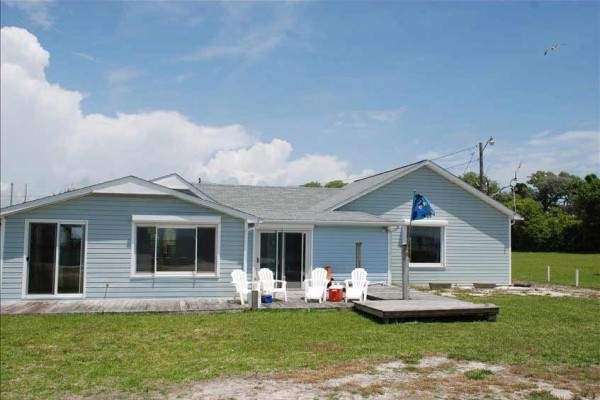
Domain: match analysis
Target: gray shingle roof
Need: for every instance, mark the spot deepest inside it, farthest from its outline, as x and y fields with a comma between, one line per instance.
x=358, y=187
x=303, y=204
x=282, y=203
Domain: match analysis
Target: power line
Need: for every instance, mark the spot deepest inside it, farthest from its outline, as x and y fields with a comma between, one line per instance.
x=461, y=164
x=467, y=167
x=451, y=154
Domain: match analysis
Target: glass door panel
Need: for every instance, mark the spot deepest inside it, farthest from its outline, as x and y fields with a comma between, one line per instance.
x=280, y=256
x=294, y=258
x=41, y=258
x=268, y=251
x=70, y=259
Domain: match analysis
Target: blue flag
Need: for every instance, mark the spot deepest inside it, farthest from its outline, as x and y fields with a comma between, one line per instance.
x=421, y=208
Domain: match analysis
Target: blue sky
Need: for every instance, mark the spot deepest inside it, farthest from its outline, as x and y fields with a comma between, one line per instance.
x=283, y=93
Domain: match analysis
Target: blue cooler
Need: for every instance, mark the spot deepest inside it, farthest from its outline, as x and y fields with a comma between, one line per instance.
x=266, y=298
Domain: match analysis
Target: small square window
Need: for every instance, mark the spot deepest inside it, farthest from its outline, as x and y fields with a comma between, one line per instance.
x=426, y=245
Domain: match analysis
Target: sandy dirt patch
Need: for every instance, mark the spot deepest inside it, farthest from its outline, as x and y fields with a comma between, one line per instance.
x=434, y=377
x=537, y=290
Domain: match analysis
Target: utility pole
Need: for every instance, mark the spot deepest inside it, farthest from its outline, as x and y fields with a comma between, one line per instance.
x=11, y=193
x=482, y=147
x=480, y=166
x=25, y=196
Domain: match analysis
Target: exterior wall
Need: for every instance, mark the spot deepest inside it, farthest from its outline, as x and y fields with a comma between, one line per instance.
x=108, y=258
x=477, y=236
x=336, y=245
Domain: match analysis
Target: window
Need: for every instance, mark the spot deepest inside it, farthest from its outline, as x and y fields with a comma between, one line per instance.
x=427, y=243
x=175, y=249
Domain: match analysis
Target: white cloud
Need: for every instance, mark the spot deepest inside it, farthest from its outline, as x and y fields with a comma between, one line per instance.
x=24, y=51
x=38, y=11
x=179, y=13
x=184, y=77
x=385, y=115
x=270, y=163
x=565, y=137
x=49, y=143
x=577, y=152
x=428, y=155
x=121, y=75
x=85, y=56
x=251, y=42
x=359, y=119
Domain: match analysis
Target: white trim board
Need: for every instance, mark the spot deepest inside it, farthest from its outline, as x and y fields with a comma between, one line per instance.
x=425, y=222
x=175, y=219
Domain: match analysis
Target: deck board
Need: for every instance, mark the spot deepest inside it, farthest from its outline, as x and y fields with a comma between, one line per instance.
x=383, y=303
x=386, y=304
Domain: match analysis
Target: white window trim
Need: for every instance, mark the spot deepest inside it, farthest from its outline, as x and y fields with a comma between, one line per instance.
x=174, y=221
x=426, y=222
x=432, y=223
x=25, y=277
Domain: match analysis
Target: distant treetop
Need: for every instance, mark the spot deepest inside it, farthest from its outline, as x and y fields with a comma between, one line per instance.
x=312, y=184
x=332, y=184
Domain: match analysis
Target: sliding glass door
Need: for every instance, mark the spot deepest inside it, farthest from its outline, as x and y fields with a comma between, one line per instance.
x=284, y=253
x=55, y=258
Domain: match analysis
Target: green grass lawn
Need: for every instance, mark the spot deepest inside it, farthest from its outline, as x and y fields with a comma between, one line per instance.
x=51, y=356
x=531, y=267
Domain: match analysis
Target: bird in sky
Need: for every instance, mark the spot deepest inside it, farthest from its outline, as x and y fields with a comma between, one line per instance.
x=553, y=48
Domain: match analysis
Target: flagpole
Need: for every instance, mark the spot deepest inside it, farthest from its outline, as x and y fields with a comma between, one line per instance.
x=421, y=208
x=406, y=255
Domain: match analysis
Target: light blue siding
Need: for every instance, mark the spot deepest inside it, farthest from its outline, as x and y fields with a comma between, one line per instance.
x=337, y=246
x=108, y=258
x=477, y=235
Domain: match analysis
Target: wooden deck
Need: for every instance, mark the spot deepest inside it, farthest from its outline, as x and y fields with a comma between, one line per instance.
x=383, y=303
x=386, y=305
x=197, y=305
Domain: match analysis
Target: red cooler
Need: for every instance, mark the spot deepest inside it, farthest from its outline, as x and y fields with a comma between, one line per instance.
x=335, y=293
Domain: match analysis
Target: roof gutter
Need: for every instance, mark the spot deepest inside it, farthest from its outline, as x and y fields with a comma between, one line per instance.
x=330, y=223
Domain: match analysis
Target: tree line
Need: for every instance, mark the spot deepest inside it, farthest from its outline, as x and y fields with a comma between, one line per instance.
x=561, y=211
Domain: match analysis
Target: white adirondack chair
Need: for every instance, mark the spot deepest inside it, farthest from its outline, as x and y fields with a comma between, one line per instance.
x=242, y=286
x=271, y=286
x=356, y=287
x=315, y=288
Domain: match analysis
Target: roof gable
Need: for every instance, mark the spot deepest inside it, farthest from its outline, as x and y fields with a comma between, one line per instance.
x=176, y=182
x=364, y=186
x=129, y=185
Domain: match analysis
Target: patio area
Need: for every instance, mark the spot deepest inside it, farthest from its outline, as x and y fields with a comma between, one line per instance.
x=295, y=302
x=384, y=303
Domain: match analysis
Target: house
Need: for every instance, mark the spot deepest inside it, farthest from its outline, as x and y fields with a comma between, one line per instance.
x=132, y=238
